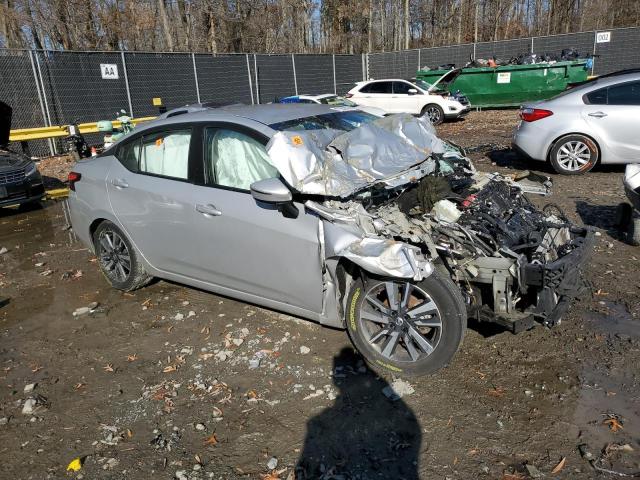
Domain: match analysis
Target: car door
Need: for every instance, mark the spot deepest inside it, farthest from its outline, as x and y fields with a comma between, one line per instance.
x=149, y=190
x=614, y=113
x=403, y=100
x=245, y=245
x=377, y=94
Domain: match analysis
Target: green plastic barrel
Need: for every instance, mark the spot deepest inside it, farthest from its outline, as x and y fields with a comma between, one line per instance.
x=511, y=85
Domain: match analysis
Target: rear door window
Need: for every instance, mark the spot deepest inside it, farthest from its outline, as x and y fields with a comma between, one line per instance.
x=597, y=97
x=166, y=154
x=377, y=87
x=624, y=94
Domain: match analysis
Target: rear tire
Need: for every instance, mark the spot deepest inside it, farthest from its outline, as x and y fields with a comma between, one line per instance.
x=398, y=341
x=434, y=113
x=118, y=259
x=574, y=155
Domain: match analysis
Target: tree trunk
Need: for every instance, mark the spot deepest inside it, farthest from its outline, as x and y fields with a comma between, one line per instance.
x=162, y=12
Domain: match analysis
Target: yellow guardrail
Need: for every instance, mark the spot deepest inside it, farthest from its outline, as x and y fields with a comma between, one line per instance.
x=39, y=133
x=57, y=193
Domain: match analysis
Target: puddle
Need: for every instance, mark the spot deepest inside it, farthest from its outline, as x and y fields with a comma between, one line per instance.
x=611, y=389
x=615, y=319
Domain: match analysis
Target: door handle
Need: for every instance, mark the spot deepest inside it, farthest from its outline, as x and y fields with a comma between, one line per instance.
x=597, y=114
x=119, y=183
x=208, y=210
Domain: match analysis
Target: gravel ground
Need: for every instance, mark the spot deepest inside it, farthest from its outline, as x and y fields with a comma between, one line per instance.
x=173, y=382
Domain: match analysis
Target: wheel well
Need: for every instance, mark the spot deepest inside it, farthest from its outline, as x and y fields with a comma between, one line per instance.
x=574, y=133
x=347, y=272
x=94, y=225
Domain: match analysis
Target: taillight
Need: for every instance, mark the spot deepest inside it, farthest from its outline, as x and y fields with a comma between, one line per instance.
x=348, y=95
x=533, y=114
x=73, y=177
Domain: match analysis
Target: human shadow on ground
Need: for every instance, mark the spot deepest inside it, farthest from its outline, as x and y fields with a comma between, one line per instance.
x=364, y=435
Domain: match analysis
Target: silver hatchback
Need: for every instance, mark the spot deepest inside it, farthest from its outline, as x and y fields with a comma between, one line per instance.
x=598, y=121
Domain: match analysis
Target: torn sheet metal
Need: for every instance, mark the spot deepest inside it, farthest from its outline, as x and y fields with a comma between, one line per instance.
x=338, y=164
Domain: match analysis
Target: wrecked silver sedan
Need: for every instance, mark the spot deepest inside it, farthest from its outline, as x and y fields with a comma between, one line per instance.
x=370, y=224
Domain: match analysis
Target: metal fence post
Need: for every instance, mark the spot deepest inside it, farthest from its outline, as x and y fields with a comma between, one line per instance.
x=419, y=59
x=295, y=77
x=255, y=68
x=531, y=45
x=126, y=82
x=35, y=79
x=474, y=51
x=335, y=87
x=593, y=57
x=249, y=77
x=195, y=74
x=52, y=145
x=365, y=66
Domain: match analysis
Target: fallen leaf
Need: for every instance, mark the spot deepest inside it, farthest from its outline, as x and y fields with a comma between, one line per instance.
x=614, y=424
x=170, y=368
x=273, y=474
x=74, y=465
x=132, y=358
x=480, y=374
x=129, y=433
x=512, y=476
x=211, y=440
x=108, y=368
x=79, y=385
x=496, y=392
x=559, y=466
x=252, y=394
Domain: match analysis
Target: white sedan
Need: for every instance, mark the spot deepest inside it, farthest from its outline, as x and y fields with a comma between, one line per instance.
x=419, y=98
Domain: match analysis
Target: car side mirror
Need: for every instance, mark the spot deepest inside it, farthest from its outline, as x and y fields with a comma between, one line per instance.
x=412, y=91
x=271, y=190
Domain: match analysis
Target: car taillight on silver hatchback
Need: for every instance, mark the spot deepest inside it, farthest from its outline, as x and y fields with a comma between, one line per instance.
x=533, y=114
x=73, y=177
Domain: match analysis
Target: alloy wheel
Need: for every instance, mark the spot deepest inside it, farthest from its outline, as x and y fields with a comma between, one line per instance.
x=433, y=113
x=114, y=255
x=574, y=155
x=400, y=321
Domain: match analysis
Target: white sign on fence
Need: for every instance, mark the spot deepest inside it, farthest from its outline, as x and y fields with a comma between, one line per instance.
x=109, y=71
x=603, y=37
x=504, y=77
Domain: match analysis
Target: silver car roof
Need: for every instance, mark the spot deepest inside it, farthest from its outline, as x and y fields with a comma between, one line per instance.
x=248, y=115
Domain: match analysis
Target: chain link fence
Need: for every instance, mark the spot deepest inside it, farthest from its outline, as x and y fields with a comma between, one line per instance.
x=618, y=50
x=58, y=88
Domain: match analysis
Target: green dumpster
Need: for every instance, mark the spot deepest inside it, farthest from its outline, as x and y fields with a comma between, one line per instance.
x=511, y=85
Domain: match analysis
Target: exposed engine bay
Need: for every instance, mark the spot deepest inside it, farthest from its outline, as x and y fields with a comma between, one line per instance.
x=514, y=263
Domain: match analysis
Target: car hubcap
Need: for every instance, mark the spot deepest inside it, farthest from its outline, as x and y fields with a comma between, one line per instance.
x=574, y=155
x=114, y=256
x=434, y=114
x=400, y=321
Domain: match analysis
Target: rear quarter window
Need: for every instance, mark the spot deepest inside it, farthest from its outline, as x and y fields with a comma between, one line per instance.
x=128, y=154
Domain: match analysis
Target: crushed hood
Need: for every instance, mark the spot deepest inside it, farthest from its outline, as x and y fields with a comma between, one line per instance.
x=338, y=164
x=5, y=123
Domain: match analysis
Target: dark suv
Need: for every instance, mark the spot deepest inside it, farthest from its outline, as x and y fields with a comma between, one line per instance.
x=20, y=181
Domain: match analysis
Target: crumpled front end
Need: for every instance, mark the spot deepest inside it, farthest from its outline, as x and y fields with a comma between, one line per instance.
x=398, y=202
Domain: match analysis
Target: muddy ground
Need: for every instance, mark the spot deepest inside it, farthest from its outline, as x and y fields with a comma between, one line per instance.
x=159, y=383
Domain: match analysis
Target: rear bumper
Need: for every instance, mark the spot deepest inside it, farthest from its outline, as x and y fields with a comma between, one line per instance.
x=527, y=140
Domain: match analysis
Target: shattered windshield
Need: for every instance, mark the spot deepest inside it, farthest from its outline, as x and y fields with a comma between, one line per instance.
x=344, y=121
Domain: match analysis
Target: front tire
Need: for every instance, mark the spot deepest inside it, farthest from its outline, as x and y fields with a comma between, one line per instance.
x=118, y=259
x=434, y=113
x=574, y=155
x=406, y=328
